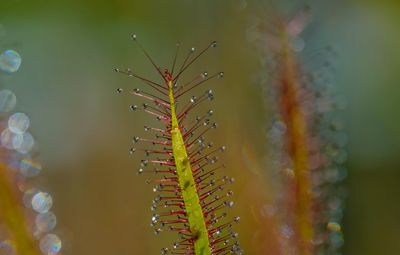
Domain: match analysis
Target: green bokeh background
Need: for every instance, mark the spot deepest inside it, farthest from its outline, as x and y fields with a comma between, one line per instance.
x=67, y=86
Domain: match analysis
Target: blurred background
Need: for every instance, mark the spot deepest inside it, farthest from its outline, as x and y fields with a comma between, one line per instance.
x=66, y=84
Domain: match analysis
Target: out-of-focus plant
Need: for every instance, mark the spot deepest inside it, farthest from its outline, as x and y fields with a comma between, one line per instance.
x=25, y=217
x=305, y=136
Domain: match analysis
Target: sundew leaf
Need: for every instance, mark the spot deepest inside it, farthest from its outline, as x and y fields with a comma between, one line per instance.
x=192, y=198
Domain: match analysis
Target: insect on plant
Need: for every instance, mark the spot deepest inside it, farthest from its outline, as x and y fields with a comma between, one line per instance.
x=192, y=198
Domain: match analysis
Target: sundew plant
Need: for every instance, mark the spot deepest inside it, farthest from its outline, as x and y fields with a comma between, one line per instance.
x=192, y=197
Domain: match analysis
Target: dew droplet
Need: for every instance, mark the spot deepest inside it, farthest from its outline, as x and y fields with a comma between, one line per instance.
x=46, y=222
x=26, y=144
x=144, y=163
x=210, y=95
x=29, y=167
x=42, y=202
x=50, y=244
x=334, y=226
x=18, y=122
x=10, y=140
x=286, y=231
x=135, y=139
x=155, y=218
x=28, y=195
x=10, y=61
x=8, y=100
x=229, y=204
x=119, y=90
x=297, y=44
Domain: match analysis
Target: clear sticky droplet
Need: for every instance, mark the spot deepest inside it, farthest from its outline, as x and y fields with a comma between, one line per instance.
x=10, y=61
x=18, y=122
x=8, y=100
x=42, y=202
x=50, y=244
x=46, y=222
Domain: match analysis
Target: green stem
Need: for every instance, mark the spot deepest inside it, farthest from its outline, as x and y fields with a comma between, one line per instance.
x=187, y=184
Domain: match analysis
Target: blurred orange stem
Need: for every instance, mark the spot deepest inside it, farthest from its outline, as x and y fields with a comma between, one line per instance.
x=12, y=215
x=295, y=121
